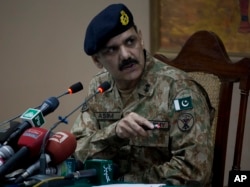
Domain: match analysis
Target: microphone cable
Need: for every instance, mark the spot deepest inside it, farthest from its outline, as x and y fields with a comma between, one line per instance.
x=48, y=180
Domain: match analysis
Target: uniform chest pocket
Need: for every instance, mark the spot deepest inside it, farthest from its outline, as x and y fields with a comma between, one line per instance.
x=157, y=137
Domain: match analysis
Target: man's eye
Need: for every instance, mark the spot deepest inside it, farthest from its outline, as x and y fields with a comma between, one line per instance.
x=109, y=50
x=131, y=41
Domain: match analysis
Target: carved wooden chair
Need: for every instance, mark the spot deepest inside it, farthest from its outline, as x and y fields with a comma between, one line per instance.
x=204, y=57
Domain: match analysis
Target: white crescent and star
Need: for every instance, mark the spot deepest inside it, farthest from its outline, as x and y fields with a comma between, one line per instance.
x=184, y=103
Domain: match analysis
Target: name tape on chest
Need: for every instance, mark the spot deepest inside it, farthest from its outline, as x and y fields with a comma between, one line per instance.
x=108, y=115
x=102, y=116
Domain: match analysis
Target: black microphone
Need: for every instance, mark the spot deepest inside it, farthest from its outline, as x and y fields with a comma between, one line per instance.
x=102, y=88
x=72, y=89
x=98, y=171
x=47, y=107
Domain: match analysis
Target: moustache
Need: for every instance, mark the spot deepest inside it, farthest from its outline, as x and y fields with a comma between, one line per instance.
x=127, y=62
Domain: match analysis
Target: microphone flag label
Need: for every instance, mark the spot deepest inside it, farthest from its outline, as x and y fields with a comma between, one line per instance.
x=34, y=117
x=183, y=103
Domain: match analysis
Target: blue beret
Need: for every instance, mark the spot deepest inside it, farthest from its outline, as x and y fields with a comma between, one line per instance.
x=110, y=22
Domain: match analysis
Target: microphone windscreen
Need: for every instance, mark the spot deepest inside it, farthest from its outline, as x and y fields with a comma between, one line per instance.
x=60, y=146
x=104, y=86
x=32, y=138
x=75, y=87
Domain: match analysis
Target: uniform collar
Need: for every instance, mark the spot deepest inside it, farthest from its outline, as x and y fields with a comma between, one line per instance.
x=146, y=85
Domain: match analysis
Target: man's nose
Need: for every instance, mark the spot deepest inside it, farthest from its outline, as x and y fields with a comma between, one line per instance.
x=124, y=52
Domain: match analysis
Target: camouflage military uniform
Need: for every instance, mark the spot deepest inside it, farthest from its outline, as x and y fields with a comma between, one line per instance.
x=179, y=151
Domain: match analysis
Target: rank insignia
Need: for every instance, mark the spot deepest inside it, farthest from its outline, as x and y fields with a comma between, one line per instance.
x=185, y=122
x=183, y=103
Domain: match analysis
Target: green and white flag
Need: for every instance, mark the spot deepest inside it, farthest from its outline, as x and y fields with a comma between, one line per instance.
x=183, y=103
x=34, y=117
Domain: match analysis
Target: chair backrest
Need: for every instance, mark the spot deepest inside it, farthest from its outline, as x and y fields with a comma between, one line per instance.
x=204, y=57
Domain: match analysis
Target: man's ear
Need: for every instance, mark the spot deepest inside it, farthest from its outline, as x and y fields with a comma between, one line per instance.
x=97, y=62
x=140, y=35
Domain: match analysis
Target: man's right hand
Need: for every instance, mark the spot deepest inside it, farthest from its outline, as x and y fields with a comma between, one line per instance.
x=131, y=126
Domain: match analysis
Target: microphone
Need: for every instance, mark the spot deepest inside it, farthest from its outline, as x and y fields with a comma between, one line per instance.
x=66, y=167
x=5, y=152
x=30, y=143
x=102, y=88
x=82, y=174
x=72, y=89
x=32, y=118
x=98, y=171
x=31, y=169
x=59, y=147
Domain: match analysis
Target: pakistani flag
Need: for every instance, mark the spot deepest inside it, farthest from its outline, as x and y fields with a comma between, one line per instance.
x=34, y=117
x=183, y=103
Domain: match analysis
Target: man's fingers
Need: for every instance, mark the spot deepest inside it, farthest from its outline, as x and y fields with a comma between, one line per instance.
x=133, y=125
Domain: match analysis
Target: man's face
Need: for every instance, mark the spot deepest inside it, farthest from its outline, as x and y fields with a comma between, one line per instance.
x=123, y=56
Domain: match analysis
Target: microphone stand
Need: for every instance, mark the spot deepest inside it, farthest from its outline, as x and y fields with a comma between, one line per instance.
x=43, y=164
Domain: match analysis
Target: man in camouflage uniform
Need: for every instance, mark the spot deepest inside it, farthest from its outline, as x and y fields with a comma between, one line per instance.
x=153, y=121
